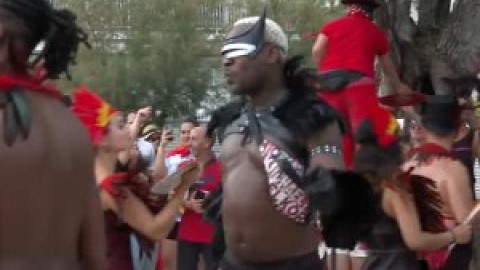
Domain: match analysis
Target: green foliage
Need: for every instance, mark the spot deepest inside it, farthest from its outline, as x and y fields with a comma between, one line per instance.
x=156, y=52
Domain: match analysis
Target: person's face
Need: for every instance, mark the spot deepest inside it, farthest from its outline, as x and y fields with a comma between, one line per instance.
x=417, y=133
x=198, y=142
x=117, y=138
x=185, y=129
x=245, y=74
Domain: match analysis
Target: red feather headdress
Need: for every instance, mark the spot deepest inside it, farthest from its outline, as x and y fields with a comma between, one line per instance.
x=385, y=126
x=94, y=113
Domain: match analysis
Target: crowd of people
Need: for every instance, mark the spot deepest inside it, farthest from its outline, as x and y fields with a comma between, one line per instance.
x=313, y=171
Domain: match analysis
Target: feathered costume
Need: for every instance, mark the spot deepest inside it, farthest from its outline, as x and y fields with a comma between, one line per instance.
x=96, y=114
x=441, y=114
x=339, y=200
x=346, y=71
x=380, y=156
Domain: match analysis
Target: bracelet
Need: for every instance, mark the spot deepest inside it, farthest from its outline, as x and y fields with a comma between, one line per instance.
x=452, y=234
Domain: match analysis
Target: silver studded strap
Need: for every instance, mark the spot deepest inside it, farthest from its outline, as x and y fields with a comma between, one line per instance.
x=326, y=149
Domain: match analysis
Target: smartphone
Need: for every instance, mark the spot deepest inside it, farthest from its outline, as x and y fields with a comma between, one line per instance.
x=169, y=130
x=170, y=135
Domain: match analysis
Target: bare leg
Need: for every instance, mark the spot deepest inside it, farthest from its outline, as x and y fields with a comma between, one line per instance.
x=339, y=261
x=201, y=264
x=169, y=253
x=357, y=262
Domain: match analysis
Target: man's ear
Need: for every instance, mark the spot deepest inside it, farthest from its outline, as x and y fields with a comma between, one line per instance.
x=273, y=54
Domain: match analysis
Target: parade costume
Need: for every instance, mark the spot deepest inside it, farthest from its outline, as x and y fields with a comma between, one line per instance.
x=306, y=196
x=346, y=72
x=442, y=114
x=380, y=154
x=96, y=114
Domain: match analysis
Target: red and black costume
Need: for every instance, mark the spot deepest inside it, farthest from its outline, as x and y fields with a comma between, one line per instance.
x=442, y=115
x=306, y=196
x=95, y=114
x=347, y=69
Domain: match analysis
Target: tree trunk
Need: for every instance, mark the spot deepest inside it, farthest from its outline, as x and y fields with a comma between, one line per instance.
x=414, y=44
x=458, y=52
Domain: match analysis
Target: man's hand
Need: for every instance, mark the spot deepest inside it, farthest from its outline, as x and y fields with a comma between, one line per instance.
x=167, y=137
x=144, y=114
x=403, y=89
x=194, y=204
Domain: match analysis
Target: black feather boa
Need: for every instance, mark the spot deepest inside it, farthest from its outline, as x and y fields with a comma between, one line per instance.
x=303, y=113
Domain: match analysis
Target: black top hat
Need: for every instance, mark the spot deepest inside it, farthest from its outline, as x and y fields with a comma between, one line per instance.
x=441, y=114
x=371, y=3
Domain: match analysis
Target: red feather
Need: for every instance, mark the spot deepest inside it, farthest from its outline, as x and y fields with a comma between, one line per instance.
x=8, y=81
x=428, y=203
x=384, y=125
x=183, y=151
x=94, y=113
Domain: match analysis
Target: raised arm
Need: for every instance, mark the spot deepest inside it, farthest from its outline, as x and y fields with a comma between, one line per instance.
x=391, y=72
x=320, y=48
x=160, y=170
x=135, y=213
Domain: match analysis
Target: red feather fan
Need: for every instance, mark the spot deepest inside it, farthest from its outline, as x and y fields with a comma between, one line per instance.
x=94, y=113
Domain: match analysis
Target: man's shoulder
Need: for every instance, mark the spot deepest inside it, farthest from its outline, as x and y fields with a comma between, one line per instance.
x=334, y=24
x=309, y=114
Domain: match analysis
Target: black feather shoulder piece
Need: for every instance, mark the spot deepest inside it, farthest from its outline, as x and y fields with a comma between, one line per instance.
x=304, y=113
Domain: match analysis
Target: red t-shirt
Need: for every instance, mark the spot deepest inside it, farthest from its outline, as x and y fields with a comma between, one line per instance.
x=192, y=227
x=353, y=43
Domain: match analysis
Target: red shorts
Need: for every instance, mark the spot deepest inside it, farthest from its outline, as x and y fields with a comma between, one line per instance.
x=353, y=102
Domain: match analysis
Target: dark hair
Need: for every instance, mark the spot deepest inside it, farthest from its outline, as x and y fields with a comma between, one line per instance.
x=374, y=161
x=367, y=7
x=439, y=131
x=212, y=136
x=192, y=120
x=56, y=27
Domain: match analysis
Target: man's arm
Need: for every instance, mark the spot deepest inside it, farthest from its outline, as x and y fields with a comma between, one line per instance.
x=320, y=48
x=160, y=167
x=391, y=72
x=140, y=117
x=325, y=148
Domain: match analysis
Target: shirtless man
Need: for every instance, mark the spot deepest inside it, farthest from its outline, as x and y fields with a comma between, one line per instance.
x=50, y=214
x=277, y=129
x=434, y=159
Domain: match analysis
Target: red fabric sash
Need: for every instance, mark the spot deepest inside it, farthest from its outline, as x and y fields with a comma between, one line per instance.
x=9, y=81
x=183, y=151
